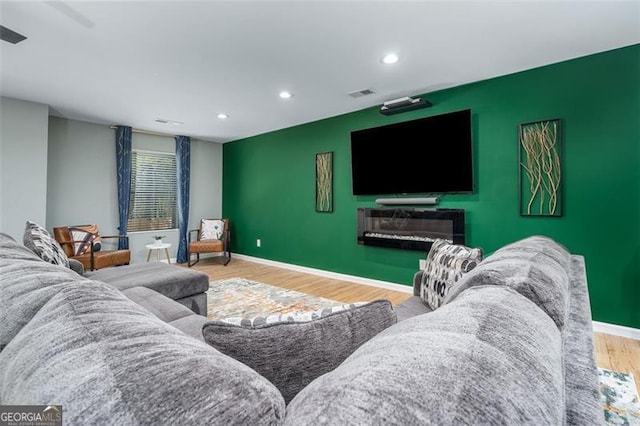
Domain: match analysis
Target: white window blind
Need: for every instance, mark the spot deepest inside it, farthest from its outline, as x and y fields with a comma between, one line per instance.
x=153, y=191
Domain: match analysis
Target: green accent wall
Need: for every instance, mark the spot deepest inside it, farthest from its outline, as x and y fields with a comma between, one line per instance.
x=269, y=179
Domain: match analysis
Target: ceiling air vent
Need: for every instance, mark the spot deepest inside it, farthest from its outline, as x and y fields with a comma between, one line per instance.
x=361, y=93
x=10, y=36
x=165, y=121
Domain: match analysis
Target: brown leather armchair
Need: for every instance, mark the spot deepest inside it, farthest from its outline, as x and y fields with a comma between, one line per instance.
x=91, y=260
x=209, y=238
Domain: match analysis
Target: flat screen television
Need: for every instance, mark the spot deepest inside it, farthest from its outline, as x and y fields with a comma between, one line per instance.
x=431, y=155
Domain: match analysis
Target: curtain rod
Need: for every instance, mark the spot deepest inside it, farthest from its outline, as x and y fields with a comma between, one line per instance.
x=148, y=132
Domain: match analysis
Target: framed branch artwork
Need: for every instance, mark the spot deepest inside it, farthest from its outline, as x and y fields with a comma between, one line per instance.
x=324, y=182
x=540, y=192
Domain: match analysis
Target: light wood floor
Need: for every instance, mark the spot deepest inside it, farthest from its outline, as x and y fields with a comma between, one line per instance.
x=612, y=352
x=619, y=354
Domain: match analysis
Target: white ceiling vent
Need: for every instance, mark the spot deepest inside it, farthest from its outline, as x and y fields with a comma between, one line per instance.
x=361, y=93
x=165, y=121
x=10, y=36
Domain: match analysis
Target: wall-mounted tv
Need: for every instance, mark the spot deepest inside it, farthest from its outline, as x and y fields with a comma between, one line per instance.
x=431, y=155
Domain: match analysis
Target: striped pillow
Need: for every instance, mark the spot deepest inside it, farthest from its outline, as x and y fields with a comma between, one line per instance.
x=39, y=241
x=85, y=235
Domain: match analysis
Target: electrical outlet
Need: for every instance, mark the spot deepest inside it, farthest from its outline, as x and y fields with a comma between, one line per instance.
x=258, y=242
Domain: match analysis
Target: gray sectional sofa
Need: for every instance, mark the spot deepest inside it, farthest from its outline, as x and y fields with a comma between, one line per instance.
x=185, y=286
x=513, y=346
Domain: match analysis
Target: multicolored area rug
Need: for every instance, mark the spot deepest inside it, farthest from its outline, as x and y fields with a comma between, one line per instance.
x=239, y=297
x=619, y=396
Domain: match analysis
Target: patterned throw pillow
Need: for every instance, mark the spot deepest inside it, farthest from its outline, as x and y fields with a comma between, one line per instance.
x=38, y=240
x=293, y=350
x=212, y=229
x=291, y=317
x=446, y=263
x=86, y=234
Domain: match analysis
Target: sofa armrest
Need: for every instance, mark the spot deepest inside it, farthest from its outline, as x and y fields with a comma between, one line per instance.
x=417, y=282
x=76, y=266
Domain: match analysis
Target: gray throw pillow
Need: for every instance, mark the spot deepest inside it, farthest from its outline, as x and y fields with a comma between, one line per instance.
x=446, y=264
x=536, y=267
x=44, y=245
x=291, y=351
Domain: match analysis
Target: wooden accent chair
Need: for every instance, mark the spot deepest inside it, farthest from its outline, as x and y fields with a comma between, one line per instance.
x=212, y=237
x=82, y=250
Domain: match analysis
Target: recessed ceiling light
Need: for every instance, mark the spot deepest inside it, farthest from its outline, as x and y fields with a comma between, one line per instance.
x=285, y=95
x=223, y=116
x=390, y=58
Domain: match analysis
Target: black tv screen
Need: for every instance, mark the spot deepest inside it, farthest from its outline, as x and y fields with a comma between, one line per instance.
x=429, y=155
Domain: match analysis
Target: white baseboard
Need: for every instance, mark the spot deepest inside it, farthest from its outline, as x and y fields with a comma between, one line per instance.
x=616, y=330
x=173, y=260
x=202, y=256
x=328, y=274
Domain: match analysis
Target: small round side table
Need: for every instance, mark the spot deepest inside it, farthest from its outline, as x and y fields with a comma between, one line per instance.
x=158, y=247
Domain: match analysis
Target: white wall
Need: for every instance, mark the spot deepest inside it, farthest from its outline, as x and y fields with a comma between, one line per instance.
x=82, y=180
x=205, y=191
x=23, y=165
x=1, y=156
x=81, y=184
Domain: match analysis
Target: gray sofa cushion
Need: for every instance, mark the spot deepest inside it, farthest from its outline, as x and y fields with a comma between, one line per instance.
x=25, y=287
x=196, y=302
x=6, y=238
x=474, y=361
x=191, y=326
x=410, y=308
x=583, y=399
x=10, y=249
x=292, y=354
x=536, y=267
x=161, y=306
x=173, y=281
x=108, y=361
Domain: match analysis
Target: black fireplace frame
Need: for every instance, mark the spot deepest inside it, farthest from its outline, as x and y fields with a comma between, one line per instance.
x=454, y=215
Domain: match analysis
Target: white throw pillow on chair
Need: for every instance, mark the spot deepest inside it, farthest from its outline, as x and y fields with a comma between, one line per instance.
x=211, y=229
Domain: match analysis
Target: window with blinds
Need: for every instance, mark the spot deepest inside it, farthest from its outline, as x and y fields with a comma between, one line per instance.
x=153, y=191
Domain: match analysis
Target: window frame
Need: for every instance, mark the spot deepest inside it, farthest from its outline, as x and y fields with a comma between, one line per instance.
x=134, y=170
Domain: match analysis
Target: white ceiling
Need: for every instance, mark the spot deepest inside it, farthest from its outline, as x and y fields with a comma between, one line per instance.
x=134, y=61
